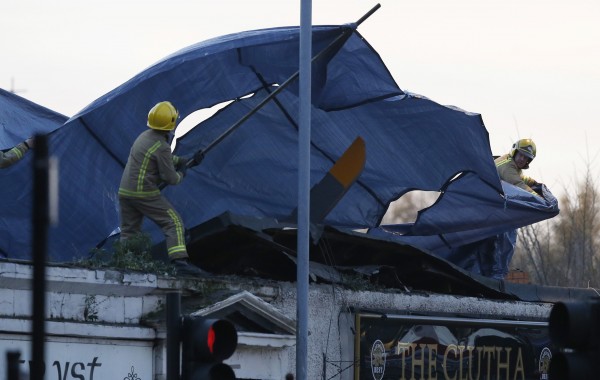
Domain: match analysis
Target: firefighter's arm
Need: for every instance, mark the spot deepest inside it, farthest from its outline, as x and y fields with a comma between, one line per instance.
x=15, y=154
x=529, y=181
x=530, y=184
x=166, y=167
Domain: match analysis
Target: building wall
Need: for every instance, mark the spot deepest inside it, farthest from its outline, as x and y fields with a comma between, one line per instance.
x=112, y=309
x=332, y=325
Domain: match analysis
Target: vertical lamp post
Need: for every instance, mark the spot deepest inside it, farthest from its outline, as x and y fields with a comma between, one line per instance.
x=303, y=189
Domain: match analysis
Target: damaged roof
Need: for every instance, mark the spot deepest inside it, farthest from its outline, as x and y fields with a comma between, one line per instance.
x=265, y=248
x=234, y=202
x=411, y=143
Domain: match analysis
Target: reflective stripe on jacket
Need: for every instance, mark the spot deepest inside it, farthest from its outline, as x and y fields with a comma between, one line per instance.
x=150, y=162
x=13, y=155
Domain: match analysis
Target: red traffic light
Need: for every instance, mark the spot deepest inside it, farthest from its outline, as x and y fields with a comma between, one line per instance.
x=206, y=343
x=210, y=341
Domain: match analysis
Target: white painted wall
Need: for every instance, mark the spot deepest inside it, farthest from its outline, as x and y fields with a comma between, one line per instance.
x=120, y=300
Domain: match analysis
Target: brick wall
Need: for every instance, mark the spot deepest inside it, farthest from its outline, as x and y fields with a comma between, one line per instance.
x=518, y=276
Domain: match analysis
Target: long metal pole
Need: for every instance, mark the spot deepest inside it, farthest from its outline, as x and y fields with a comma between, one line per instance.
x=303, y=189
x=292, y=78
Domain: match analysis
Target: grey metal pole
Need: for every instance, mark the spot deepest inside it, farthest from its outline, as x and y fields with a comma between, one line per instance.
x=303, y=189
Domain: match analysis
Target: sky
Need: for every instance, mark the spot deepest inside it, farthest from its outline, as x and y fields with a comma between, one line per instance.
x=531, y=68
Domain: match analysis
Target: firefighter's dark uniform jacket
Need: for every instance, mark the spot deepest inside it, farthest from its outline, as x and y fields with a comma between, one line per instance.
x=150, y=162
x=13, y=155
x=509, y=172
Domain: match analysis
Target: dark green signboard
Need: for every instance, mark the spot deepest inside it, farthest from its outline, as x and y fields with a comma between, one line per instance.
x=413, y=348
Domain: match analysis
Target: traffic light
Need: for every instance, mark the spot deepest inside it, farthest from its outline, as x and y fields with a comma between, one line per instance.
x=575, y=328
x=205, y=344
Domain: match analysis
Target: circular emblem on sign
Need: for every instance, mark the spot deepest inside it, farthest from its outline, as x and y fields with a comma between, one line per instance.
x=544, y=364
x=377, y=360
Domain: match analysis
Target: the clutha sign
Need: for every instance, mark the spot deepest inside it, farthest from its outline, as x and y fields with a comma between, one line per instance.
x=399, y=349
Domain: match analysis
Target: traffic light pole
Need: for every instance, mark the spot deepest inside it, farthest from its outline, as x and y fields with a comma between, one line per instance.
x=173, y=335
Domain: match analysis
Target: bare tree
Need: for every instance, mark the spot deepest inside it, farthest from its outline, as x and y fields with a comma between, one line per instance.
x=565, y=251
x=533, y=253
x=576, y=234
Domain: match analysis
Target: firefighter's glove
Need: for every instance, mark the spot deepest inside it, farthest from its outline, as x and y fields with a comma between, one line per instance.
x=198, y=157
x=540, y=189
x=183, y=170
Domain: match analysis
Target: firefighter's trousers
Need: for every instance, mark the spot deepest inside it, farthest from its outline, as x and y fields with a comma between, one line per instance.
x=161, y=212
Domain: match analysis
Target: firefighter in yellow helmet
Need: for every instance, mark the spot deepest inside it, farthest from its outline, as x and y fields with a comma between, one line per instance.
x=151, y=162
x=15, y=154
x=511, y=165
x=510, y=169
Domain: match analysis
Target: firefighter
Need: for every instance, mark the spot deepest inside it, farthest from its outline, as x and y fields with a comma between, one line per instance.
x=15, y=154
x=510, y=166
x=510, y=169
x=151, y=162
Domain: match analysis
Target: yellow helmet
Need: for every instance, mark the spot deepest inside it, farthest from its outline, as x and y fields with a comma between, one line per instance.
x=525, y=146
x=163, y=116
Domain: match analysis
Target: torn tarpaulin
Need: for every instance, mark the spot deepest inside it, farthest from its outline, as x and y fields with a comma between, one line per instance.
x=462, y=225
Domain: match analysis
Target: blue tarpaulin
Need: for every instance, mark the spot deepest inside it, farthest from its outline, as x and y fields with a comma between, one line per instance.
x=412, y=142
x=20, y=119
x=462, y=225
